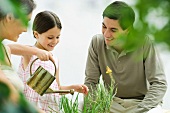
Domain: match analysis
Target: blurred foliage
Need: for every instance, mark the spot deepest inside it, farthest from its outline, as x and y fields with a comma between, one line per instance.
x=4, y=94
x=1, y=53
x=6, y=106
x=12, y=6
x=153, y=19
x=16, y=8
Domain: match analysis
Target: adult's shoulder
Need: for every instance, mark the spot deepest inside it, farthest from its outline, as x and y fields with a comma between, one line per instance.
x=148, y=40
x=96, y=42
x=98, y=39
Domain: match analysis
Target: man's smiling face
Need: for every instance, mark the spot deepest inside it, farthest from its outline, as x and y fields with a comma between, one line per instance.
x=112, y=30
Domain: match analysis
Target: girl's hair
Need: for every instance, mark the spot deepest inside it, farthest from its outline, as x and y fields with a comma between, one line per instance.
x=46, y=20
x=122, y=12
x=24, y=6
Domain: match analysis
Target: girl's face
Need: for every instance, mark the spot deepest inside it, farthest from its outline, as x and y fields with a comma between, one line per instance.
x=49, y=39
x=14, y=27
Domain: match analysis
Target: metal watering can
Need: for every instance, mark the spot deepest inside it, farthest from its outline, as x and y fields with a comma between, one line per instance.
x=41, y=80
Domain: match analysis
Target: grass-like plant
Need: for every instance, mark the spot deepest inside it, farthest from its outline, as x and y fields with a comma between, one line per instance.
x=69, y=106
x=100, y=100
x=97, y=101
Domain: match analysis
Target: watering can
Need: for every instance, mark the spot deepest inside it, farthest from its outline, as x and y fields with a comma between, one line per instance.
x=41, y=80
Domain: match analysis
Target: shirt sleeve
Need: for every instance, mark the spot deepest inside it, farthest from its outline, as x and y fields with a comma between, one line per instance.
x=92, y=71
x=155, y=76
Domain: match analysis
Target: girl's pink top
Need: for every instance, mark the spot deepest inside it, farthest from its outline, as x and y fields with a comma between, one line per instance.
x=47, y=102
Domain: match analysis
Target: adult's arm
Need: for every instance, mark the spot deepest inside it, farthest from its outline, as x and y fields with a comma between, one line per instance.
x=24, y=50
x=92, y=71
x=155, y=75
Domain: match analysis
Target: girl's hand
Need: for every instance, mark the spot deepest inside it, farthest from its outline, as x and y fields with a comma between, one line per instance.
x=81, y=89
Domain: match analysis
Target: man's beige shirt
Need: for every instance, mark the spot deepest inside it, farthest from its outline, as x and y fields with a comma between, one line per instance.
x=138, y=72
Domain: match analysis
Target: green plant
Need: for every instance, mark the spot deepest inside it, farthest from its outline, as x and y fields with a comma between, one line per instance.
x=69, y=106
x=154, y=18
x=97, y=101
x=100, y=100
x=6, y=106
x=2, y=54
x=15, y=8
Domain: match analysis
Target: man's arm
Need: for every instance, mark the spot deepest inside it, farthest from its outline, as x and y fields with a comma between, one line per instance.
x=156, y=77
x=92, y=71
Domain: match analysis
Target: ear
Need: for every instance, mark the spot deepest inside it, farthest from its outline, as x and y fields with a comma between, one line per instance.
x=9, y=17
x=127, y=30
x=35, y=34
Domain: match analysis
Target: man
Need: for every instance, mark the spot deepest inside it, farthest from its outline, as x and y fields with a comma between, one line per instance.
x=137, y=71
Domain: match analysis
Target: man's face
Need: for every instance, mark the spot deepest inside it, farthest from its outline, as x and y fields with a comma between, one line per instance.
x=112, y=32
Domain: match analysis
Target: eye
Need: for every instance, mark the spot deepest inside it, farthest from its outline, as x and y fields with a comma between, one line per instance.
x=114, y=30
x=103, y=26
x=50, y=37
x=58, y=37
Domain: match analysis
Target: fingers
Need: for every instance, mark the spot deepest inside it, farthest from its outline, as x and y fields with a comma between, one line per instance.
x=44, y=55
x=84, y=89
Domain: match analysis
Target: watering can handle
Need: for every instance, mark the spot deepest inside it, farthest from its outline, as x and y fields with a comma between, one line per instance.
x=37, y=59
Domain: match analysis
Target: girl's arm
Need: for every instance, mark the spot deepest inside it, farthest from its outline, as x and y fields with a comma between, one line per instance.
x=23, y=50
x=81, y=88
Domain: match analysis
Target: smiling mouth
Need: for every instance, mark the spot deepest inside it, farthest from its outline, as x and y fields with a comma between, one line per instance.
x=109, y=39
x=52, y=45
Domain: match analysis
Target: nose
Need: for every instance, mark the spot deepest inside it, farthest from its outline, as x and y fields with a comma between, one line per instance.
x=108, y=33
x=56, y=40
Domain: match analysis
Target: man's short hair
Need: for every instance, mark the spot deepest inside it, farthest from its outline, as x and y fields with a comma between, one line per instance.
x=120, y=11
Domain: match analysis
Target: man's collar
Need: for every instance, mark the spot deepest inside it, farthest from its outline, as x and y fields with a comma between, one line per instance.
x=125, y=51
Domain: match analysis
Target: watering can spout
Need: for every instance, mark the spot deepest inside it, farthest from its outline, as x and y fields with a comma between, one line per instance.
x=49, y=90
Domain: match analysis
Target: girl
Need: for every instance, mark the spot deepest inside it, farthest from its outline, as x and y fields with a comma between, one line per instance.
x=46, y=30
